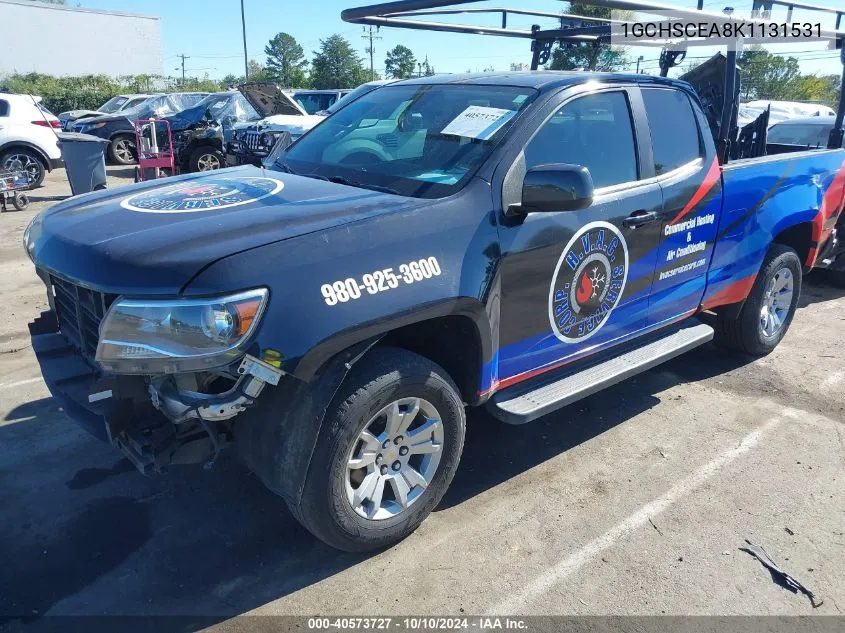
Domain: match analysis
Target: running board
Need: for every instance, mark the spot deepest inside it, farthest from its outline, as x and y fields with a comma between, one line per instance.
x=528, y=401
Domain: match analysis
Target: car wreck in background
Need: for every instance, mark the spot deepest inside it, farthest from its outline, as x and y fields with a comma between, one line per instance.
x=201, y=132
x=114, y=105
x=253, y=141
x=119, y=128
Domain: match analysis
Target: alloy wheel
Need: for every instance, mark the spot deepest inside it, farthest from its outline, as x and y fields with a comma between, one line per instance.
x=124, y=150
x=394, y=458
x=776, y=302
x=208, y=162
x=24, y=162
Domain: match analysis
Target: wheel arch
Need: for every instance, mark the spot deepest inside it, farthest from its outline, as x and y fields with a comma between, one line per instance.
x=455, y=334
x=42, y=156
x=798, y=237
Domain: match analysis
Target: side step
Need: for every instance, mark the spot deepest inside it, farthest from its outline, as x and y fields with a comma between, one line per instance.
x=528, y=401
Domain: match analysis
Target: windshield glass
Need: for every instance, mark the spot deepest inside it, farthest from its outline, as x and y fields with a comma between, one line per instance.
x=234, y=105
x=422, y=141
x=313, y=102
x=113, y=105
x=808, y=134
x=351, y=96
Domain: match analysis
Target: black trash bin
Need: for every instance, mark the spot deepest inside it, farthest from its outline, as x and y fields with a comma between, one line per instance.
x=85, y=161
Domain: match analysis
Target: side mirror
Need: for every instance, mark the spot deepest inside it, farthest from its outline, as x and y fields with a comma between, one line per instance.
x=556, y=187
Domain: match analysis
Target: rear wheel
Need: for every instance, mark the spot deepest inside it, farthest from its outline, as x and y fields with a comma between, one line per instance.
x=27, y=160
x=769, y=308
x=122, y=150
x=387, y=451
x=206, y=158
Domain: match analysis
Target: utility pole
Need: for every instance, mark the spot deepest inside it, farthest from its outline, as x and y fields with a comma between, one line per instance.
x=243, y=26
x=639, y=59
x=183, y=57
x=419, y=69
x=368, y=35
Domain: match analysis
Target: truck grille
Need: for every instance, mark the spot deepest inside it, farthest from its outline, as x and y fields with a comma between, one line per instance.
x=80, y=311
x=253, y=140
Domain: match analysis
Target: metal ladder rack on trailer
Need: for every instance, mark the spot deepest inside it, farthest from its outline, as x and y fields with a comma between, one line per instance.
x=573, y=28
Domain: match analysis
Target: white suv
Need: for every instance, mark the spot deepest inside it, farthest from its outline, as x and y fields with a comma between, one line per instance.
x=28, y=135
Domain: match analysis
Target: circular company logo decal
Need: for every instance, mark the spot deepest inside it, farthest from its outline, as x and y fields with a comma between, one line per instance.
x=588, y=282
x=211, y=193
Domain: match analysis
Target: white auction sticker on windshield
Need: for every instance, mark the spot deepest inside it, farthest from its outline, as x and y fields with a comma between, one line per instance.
x=478, y=122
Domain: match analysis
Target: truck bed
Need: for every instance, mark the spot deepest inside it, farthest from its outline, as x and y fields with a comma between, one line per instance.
x=794, y=198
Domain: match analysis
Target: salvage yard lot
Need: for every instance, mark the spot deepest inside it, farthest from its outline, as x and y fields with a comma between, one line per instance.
x=634, y=501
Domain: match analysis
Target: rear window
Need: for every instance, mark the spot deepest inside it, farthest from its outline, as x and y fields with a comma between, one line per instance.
x=805, y=134
x=675, y=137
x=4, y=108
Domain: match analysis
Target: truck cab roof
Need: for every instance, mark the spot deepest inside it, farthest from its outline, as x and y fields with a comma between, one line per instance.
x=544, y=80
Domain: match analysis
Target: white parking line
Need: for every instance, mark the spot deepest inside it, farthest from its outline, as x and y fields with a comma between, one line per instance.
x=553, y=575
x=19, y=383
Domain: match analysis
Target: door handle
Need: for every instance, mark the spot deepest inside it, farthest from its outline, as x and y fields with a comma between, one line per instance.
x=639, y=218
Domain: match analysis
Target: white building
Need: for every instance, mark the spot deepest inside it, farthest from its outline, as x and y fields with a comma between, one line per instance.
x=62, y=40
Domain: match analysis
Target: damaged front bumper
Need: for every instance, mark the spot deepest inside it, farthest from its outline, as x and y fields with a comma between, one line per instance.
x=157, y=420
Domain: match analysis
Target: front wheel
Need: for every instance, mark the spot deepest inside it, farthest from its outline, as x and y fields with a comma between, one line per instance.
x=769, y=308
x=206, y=159
x=20, y=201
x=122, y=150
x=388, y=449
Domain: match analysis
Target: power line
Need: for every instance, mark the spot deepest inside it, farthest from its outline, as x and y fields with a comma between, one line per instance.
x=183, y=57
x=368, y=34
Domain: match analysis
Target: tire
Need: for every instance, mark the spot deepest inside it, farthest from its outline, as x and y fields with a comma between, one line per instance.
x=29, y=160
x=20, y=201
x=122, y=150
x=751, y=332
x=384, y=377
x=206, y=158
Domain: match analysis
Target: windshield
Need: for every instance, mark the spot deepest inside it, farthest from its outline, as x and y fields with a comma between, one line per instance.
x=113, y=105
x=162, y=105
x=234, y=105
x=808, y=134
x=313, y=102
x=351, y=96
x=421, y=141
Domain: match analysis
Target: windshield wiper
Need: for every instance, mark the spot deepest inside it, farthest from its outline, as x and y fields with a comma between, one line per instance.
x=352, y=183
x=285, y=168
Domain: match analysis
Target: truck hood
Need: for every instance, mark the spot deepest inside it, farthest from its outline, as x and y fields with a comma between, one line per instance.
x=268, y=99
x=152, y=238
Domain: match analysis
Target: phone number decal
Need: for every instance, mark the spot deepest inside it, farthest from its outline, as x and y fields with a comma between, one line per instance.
x=378, y=281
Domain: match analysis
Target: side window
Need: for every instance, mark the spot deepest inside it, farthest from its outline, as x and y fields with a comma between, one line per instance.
x=675, y=137
x=4, y=108
x=595, y=131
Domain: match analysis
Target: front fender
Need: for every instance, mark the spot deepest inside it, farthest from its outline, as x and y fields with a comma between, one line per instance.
x=457, y=306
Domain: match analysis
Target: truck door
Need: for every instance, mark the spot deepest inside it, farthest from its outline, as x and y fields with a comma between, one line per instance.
x=690, y=177
x=576, y=282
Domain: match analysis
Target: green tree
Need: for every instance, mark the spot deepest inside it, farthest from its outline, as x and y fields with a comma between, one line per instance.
x=286, y=61
x=336, y=65
x=767, y=76
x=400, y=62
x=586, y=55
x=817, y=89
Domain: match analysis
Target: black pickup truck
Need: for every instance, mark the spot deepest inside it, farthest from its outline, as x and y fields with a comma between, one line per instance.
x=517, y=241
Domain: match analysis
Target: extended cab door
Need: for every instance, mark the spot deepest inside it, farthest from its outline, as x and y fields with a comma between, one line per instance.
x=690, y=177
x=575, y=282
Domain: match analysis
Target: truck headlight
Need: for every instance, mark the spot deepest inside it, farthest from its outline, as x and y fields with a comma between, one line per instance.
x=140, y=336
